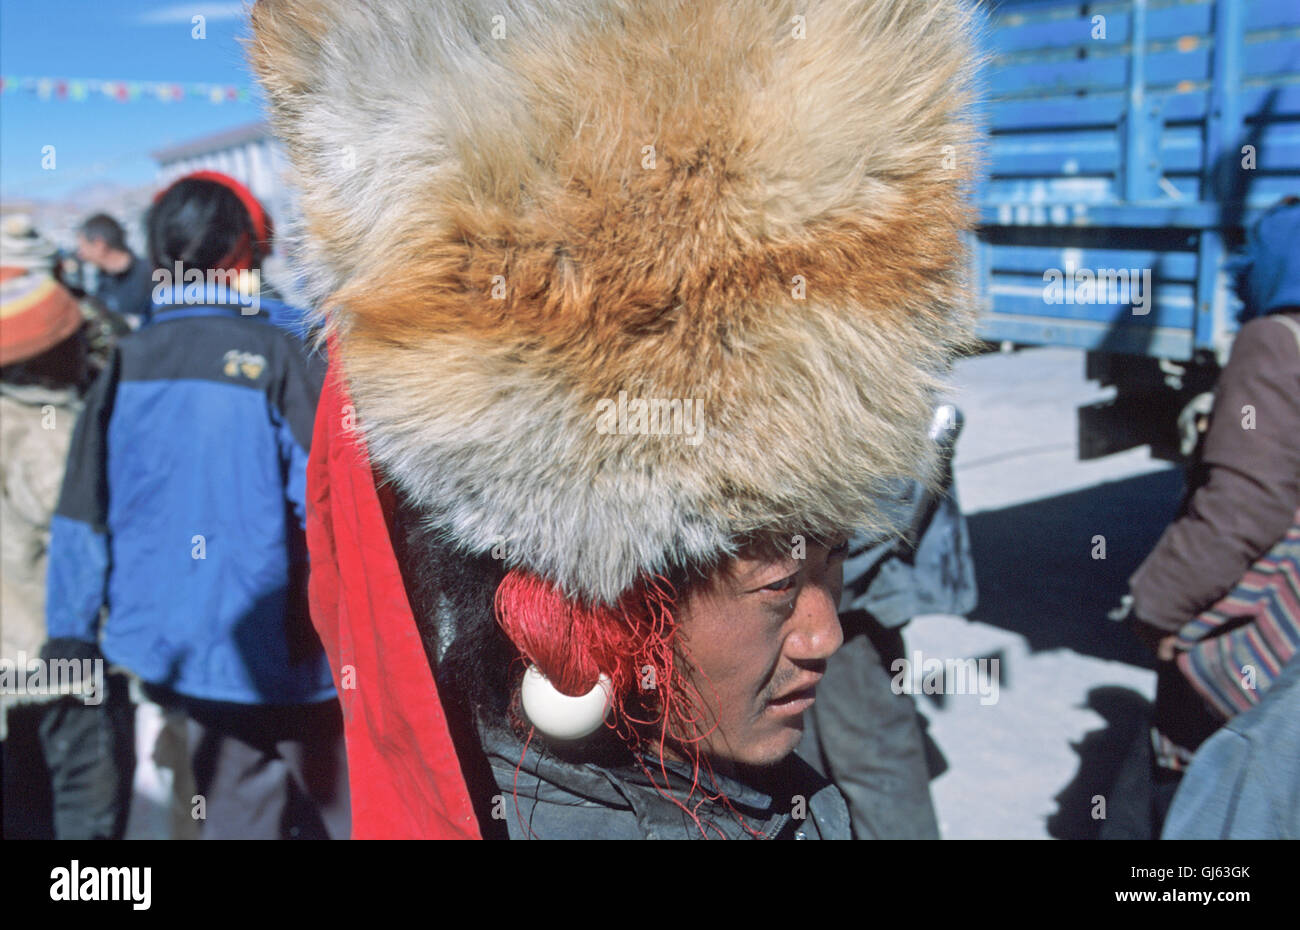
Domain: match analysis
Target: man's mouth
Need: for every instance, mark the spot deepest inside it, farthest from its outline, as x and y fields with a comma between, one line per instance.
x=794, y=702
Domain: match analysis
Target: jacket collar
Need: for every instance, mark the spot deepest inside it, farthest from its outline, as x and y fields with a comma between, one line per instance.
x=165, y=312
x=627, y=789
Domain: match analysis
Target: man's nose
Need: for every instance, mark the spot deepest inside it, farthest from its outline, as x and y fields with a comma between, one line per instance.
x=817, y=633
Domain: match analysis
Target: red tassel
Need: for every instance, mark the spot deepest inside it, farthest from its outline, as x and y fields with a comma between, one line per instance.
x=631, y=642
x=573, y=643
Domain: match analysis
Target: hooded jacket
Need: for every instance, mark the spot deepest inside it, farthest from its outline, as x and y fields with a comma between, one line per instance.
x=182, y=510
x=1244, y=492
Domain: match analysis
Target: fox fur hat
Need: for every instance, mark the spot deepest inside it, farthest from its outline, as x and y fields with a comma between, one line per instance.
x=618, y=284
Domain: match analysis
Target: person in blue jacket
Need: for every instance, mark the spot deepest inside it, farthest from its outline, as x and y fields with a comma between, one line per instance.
x=177, y=545
x=1244, y=781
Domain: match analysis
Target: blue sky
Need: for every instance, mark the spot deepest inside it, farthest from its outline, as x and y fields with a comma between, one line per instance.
x=99, y=139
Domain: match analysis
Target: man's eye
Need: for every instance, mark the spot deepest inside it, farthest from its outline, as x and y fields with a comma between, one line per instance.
x=841, y=550
x=785, y=584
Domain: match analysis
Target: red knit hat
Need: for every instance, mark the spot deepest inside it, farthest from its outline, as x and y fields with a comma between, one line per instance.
x=247, y=250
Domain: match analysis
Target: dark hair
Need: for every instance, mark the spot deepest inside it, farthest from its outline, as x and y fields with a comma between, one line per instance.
x=62, y=365
x=196, y=223
x=470, y=657
x=103, y=228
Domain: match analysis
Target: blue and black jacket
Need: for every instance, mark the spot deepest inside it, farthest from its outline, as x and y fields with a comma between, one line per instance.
x=183, y=507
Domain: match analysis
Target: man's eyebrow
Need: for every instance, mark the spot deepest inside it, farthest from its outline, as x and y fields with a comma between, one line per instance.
x=766, y=573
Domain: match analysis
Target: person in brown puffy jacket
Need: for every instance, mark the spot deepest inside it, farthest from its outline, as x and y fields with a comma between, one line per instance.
x=1243, y=491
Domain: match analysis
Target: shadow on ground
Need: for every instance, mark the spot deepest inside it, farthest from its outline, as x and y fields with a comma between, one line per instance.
x=1096, y=794
x=1037, y=574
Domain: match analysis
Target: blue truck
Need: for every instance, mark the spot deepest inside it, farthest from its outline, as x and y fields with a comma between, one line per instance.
x=1130, y=142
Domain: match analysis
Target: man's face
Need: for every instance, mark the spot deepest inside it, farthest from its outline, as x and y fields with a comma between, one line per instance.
x=758, y=634
x=91, y=250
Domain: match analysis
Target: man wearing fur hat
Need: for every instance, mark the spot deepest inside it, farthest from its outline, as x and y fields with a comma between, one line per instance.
x=541, y=233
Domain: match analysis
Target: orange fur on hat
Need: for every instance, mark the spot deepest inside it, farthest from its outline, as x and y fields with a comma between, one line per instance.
x=540, y=228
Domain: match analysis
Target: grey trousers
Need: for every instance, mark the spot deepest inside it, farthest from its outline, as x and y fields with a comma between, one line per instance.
x=266, y=772
x=868, y=740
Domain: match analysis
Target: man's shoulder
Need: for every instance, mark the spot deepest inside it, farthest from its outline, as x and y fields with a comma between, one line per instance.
x=136, y=276
x=550, y=798
x=1276, y=335
x=141, y=265
x=1264, y=367
x=543, y=797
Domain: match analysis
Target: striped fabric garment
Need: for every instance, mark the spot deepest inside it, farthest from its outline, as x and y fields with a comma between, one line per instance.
x=1234, y=651
x=36, y=313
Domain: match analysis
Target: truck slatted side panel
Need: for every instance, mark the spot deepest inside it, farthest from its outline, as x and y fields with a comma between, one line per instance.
x=1129, y=142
